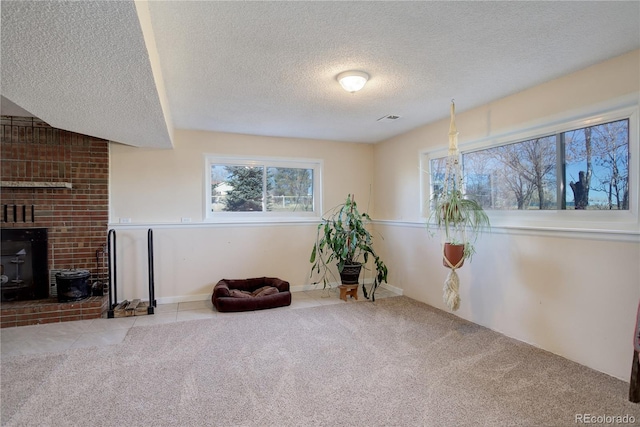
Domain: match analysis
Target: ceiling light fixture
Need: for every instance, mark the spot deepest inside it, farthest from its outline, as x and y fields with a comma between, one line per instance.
x=352, y=81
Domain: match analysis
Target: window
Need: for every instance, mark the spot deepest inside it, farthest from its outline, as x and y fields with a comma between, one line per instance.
x=531, y=174
x=519, y=176
x=261, y=188
x=583, y=165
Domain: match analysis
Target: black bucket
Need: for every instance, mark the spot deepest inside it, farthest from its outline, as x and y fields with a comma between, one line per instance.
x=73, y=285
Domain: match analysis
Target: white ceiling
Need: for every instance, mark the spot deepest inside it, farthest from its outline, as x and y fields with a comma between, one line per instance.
x=269, y=68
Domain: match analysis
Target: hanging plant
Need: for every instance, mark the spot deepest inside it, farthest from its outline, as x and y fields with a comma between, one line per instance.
x=460, y=220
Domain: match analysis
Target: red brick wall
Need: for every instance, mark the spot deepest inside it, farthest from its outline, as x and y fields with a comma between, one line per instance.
x=33, y=151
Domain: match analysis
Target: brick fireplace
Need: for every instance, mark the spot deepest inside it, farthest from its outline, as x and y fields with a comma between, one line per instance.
x=59, y=181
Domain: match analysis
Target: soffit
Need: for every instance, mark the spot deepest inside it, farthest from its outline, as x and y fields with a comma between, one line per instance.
x=82, y=66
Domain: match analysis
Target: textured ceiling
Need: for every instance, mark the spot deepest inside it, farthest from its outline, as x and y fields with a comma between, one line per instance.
x=268, y=68
x=82, y=66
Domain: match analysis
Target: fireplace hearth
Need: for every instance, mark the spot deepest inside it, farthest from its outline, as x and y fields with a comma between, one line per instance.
x=59, y=181
x=24, y=264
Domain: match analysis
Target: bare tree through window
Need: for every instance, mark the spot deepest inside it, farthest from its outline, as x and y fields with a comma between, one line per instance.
x=597, y=166
x=530, y=175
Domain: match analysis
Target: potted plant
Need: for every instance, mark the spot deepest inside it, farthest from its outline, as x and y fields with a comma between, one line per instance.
x=461, y=221
x=343, y=238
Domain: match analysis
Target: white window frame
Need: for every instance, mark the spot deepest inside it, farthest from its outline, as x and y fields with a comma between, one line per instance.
x=608, y=221
x=261, y=216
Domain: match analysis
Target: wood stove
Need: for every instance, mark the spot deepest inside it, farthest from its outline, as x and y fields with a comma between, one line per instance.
x=24, y=264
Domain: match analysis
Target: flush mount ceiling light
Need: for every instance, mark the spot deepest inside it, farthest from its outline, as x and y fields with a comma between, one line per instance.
x=352, y=81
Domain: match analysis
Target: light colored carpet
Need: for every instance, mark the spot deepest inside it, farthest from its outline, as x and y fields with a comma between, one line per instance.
x=395, y=362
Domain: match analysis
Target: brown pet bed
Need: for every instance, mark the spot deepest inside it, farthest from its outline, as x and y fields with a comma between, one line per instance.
x=250, y=294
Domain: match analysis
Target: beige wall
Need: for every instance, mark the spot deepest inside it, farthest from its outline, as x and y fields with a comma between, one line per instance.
x=163, y=186
x=570, y=293
x=156, y=188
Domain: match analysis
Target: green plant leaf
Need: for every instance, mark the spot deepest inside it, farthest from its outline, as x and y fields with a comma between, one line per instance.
x=313, y=254
x=342, y=237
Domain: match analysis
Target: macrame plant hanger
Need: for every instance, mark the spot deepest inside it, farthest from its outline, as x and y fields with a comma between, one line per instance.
x=452, y=182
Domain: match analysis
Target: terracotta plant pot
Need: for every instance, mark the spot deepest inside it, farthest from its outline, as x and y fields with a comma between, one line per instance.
x=455, y=255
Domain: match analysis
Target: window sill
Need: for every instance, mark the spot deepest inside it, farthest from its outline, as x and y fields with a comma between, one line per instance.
x=212, y=223
x=619, y=235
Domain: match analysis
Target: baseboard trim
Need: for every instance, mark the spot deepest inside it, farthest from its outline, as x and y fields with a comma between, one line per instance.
x=183, y=298
x=296, y=288
x=303, y=288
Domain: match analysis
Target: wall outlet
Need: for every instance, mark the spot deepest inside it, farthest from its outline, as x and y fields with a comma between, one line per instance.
x=185, y=219
x=125, y=220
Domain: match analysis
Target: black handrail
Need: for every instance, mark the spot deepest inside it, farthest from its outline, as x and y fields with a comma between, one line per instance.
x=152, y=300
x=111, y=260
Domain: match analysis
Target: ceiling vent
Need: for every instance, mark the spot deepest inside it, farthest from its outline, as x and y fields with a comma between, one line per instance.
x=388, y=118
